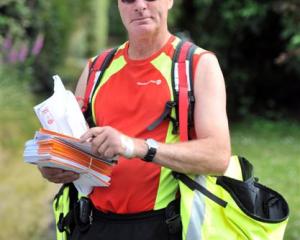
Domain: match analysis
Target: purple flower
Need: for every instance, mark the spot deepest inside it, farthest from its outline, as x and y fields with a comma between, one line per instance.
x=7, y=42
x=23, y=53
x=38, y=44
x=13, y=56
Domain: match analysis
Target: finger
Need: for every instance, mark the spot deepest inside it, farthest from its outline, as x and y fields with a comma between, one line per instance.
x=64, y=180
x=65, y=177
x=103, y=147
x=109, y=153
x=69, y=180
x=87, y=135
x=48, y=172
x=91, y=133
x=67, y=174
x=56, y=172
x=99, y=143
x=105, y=150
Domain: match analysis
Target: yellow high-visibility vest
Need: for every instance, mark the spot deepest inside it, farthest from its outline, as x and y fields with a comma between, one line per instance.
x=263, y=218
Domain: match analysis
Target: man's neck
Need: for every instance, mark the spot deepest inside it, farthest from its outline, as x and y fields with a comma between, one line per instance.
x=144, y=47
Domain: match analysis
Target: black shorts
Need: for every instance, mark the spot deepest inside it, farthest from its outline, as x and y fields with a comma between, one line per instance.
x=142, y=226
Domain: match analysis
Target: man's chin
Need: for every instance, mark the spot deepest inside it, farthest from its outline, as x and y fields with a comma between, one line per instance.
x=143, y=29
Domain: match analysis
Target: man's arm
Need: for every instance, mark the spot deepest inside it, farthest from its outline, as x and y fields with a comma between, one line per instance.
x=209, y=153
x=81, y=85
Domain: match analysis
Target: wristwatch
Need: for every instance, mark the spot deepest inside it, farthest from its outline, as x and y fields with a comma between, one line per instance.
x=152, y=148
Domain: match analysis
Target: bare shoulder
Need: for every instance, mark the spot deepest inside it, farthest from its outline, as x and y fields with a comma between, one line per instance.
x=210, y=94
x=207, y=65
x=82, y=82
x=209, y=80
x=207, y=57
x=201, y=50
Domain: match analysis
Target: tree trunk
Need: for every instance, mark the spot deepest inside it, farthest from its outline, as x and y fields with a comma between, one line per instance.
x=97, y=26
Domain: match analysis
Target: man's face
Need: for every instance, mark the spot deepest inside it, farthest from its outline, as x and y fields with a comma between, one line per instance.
x=144, y=17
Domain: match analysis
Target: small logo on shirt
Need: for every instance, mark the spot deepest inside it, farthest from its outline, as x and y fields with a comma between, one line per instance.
x=156, y=82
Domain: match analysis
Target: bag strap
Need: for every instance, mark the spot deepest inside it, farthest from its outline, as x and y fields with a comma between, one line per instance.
x=184, y=86
x=183, y=53
x=96, y=72
x=193, y=185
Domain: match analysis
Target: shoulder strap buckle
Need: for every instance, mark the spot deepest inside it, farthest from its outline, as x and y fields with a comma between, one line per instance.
x=165, y=115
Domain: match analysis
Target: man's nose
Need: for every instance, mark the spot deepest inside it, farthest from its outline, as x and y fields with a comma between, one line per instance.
x=140, y=5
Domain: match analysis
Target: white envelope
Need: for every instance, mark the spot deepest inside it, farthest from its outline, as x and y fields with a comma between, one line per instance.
x=61, y=112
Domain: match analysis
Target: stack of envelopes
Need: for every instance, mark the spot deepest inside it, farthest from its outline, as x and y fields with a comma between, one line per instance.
x=51, y=149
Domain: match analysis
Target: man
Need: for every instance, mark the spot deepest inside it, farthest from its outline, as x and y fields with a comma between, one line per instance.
x=132, y=94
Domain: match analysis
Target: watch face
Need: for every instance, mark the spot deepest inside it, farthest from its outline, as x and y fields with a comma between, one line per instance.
x=151, y=143
x=152, y=147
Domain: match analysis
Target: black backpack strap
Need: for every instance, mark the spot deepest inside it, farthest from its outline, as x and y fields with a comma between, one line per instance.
x=175, y=81
x=102, y=69
x=191, y=96
x=174, y=77
x=193, y=185
x=99, y=65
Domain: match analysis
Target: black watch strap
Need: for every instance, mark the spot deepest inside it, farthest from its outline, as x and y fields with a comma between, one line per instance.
x=152, y=149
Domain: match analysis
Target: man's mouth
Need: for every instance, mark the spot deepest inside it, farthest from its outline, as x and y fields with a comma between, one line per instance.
x=140, y=19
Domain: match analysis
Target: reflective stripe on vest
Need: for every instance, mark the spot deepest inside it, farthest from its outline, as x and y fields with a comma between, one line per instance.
x=203, y=219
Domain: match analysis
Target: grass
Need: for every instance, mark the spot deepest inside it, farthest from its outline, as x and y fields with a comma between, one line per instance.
x=25, y=197
x=273, y=148
x=25, y=211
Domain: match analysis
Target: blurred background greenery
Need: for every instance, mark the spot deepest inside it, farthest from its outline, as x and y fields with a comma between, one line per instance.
x=257, y=44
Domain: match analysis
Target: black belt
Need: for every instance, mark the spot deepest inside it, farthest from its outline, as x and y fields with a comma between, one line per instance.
x=101, y=216
x=84, y=214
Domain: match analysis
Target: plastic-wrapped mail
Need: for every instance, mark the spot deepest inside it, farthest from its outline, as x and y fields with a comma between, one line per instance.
x=49, y=149
x=61, y=112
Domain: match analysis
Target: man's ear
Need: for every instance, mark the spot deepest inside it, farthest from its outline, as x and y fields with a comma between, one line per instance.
x=171, y=2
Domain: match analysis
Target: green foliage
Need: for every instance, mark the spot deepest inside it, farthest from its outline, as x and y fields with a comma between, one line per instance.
x=117, y=32
x=51, y=22
x=19, y=30
x=290, y=10
x=97, y=19
x=250, y=38
x=12, y=100
x=257, y=43
x=291, y=20
x=15, y=20
x=24, y=211
x=57, y=27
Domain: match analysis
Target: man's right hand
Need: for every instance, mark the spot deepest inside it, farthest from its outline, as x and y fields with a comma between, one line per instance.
x=57, y=175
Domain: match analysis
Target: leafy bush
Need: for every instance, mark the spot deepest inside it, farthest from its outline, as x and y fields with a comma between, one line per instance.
x=34, y=37
x=251, y=39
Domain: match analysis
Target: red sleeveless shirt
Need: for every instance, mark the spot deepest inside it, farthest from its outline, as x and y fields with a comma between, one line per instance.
x=132, y=95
